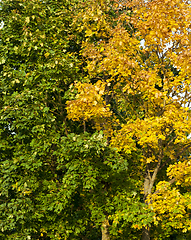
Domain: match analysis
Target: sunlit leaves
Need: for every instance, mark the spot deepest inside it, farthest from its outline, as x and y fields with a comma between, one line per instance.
x=137, y=58
x=170, y=207
x=89, y=102
x=181, y=171
x=146, y=61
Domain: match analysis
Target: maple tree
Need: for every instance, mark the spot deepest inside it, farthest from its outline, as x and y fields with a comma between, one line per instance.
x=141, y=99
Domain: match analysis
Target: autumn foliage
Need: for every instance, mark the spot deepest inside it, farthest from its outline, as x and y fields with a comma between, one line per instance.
x=95, y=119
x=144, y=67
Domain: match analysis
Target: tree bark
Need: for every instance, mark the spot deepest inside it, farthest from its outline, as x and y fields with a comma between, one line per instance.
x=147, y=190
x=148, y=185
x=145, y=233
x=105, y=230
x=105, y=223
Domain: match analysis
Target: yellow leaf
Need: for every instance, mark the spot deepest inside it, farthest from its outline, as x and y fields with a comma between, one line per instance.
x=27, y=20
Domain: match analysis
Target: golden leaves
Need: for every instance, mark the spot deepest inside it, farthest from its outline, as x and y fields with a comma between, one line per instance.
x=168, y=203
x=89, y=103
x=27, y=20
x=181, y=171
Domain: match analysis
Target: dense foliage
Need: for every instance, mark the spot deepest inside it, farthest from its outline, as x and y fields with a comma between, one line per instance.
x=95, y=119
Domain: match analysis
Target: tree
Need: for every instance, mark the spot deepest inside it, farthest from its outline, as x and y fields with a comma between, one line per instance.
x=59, y=179
x=148, y=88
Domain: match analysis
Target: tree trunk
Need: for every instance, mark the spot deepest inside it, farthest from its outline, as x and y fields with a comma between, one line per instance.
x=147, y=190
x=105, y=230
x=148, y=185
x=145, y=234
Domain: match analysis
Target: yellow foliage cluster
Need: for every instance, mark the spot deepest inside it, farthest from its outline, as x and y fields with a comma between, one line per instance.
x=89, y=103
x=169, y=204
x=150, y=131
x=181, y=171
x=146, y=70
x=161, y=22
